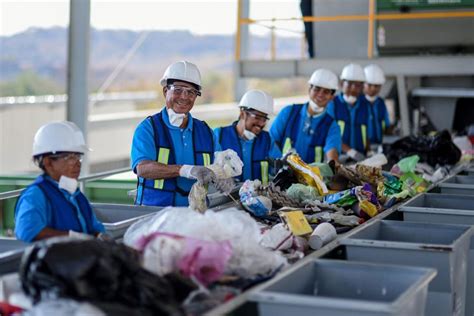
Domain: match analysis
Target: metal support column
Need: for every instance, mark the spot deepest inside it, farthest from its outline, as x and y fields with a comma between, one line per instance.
x=241, y=47
x=403, y=103
x=78, y=63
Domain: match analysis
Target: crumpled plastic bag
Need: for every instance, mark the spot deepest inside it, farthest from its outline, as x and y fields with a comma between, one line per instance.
x=407, y=164
x=301, y=192
x=252, y=201
x=377, y=160
x=280, y=237
x=306, y=174
x=164, y=253
x=249, y=258
x=101, y=272
x=227, y=164
x=63, y=307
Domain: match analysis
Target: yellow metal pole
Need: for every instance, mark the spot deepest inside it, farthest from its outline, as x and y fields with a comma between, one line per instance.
x=238, y=32
x=370, y=37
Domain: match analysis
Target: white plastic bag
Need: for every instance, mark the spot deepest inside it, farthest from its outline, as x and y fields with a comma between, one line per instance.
x=249, y=258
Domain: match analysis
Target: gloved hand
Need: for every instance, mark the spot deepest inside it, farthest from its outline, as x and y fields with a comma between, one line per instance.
x=78, y=235
x=354, y=154
x=225, y=186
x=202, y=174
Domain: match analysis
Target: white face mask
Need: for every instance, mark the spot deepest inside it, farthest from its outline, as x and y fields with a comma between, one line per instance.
x=370, y=98
x=68, y=184
x=349, y=98
x=249, y=135
x=176, y=119
x=315, y=108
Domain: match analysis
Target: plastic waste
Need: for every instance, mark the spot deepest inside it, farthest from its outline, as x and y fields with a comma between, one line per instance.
x=377, y=160
x=277, y=238
x=256, y=204
x=227, y=165
x=63, y=307
x=346, y=220
x=164, y=253
x=301, y=192
x=434, y=150
x=405, y=165
x=99, y=271
x=249, y=258
x=306, y=174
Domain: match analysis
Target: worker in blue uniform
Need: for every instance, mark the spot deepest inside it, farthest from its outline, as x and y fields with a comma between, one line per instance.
x=374, y=79
x=351, y=111
x=247, y=137
x=308, y=128
x=53, y=205
x=171, y=148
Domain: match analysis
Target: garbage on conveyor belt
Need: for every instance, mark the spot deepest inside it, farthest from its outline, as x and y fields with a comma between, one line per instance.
x=434, y=150
x=248, y=259
x=165, y=253
x=105, y=274
x=252, y=201
x=227, y=165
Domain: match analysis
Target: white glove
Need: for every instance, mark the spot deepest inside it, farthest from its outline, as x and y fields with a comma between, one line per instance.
x=354, y=154
x=78, y=235
x=202, y=174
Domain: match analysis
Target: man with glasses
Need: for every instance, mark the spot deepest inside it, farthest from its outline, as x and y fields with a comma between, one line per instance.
x=247, y=137
x=171, y=148
x=308, y=128
x=53, y=205
x=351, y=111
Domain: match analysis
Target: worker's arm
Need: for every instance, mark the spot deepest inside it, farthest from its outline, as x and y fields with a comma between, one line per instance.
x=50, y=232
x=155, y=170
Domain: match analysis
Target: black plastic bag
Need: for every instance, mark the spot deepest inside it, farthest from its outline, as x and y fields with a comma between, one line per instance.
x=434, y=150
x=102, y=272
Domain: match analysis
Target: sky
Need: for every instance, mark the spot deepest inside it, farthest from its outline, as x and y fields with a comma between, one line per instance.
x=198, y=16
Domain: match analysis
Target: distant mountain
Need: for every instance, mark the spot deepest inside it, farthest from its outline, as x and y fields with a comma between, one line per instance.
x=44, y=52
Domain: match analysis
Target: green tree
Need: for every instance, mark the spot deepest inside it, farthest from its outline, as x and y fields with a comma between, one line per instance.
x=29, y=83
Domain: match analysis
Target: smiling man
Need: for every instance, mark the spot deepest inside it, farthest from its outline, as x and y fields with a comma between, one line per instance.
x=53, y=205
x=247, y=137
x=171, y=148
x=307, y=127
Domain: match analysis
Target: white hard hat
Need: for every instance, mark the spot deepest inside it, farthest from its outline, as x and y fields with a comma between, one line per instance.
x=57, y=137
x=353, y=72
x=183, y=71
x=324, y=78
x=374, y=74
x=257, y=100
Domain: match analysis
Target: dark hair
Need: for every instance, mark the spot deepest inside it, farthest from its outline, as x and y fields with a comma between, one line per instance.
x=38, y=160
x=171, y=81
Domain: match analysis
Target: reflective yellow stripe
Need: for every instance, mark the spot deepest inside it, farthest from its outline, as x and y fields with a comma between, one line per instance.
x=342, y=124
x=287, y=145
x=264, y=171
x=206, y=158
x=163, y=156
x=363, y=129
x=318, y=154
x=383, y=126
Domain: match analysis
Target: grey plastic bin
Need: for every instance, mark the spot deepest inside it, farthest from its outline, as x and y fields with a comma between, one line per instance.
x=449, y=216
x=11, y=251
x=440, y=246
x=118, y=217
x=453, y=188
x=336, y=288
x=442, y=201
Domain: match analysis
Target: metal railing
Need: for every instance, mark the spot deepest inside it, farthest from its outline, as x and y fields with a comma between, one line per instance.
x=371, y=17
x=82, y=180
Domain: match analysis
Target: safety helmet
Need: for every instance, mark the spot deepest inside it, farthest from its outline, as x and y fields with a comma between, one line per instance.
x=324, y=78
x=374, y=74
x=182, y=71
x=257, y=100
x=57, y=137
x=353, y=72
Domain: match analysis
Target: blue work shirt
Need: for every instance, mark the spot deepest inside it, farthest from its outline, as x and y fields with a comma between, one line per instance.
x=307, y=126
x=143, y=148
x=352, y=110
x=246, y=146
x=33, y=212
x=379, y=114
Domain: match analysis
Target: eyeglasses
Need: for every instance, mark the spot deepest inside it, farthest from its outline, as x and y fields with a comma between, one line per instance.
x=190, y=92
x=257, y=117
x=68, y=157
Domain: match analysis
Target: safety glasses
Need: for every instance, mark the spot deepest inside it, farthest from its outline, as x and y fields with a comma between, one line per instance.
x=68, y=157
x=189, y=92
